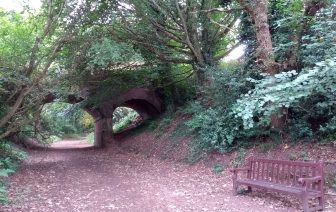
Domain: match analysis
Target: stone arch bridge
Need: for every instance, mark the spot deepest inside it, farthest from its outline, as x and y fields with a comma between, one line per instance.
x=146, y=102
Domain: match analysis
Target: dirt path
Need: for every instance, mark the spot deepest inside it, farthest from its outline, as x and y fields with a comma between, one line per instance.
x=86, y=179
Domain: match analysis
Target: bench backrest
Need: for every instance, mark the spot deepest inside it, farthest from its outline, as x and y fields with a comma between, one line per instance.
x=284, y=171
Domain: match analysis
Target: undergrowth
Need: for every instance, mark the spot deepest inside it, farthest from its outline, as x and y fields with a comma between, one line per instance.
x=10, y=157
x=331, y=180
x=124, y=122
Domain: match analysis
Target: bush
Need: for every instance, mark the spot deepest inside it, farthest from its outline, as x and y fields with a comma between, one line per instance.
x=10, y=157
x=331, y=180
x=213, y=122
x=124, y=122
x=217, y=168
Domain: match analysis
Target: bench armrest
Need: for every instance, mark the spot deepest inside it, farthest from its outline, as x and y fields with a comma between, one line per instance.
x=306, y=180
x=235, y=170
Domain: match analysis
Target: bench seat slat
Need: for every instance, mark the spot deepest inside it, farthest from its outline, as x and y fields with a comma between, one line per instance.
x=278, y=188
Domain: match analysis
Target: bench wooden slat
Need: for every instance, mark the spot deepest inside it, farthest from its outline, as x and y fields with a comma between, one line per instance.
x=262, y=171
x=273, y=171
x=277, y=188
x=277, y=173
x=294, y=176
x=289, y=174
x=258, y=167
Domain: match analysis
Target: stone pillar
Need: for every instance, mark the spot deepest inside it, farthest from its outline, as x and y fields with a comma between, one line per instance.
x=109, y=123
x=103, y=132
x=98, y=134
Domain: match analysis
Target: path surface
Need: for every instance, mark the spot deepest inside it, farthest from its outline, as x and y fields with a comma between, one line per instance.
x=114, y=179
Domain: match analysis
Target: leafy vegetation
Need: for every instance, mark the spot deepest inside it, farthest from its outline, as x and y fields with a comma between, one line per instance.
x=217, y=168
x=331, y=180
x=62, y=119
x=10, y=157
x=123, y=118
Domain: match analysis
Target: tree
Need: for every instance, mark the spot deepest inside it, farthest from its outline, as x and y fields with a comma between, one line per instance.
x=258, y=13
x=39, y=39
x=194, y=32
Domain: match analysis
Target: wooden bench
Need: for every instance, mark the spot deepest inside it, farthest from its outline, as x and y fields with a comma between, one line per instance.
x=304, y=180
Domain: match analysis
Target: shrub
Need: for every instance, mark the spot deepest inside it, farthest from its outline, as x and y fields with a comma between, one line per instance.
x=213, y=122
x=331, y=180
x=240, y=158
x=217, y=168
x=265, y=147
x=9, y=159
x=124, y=122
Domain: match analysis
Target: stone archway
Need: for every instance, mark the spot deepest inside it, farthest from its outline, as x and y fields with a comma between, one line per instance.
x=145, y=101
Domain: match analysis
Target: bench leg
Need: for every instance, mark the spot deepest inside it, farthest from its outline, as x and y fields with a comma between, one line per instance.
x=235, y=188
x=235, y=184
x=249, y=189
x=305, y=202
x=321, y=202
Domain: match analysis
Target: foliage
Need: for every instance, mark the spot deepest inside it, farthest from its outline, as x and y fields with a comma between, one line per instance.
x=3, y=198
x=287, y=18
x=213, y=122
x=299, y=130
x=9, y=151
x=105, y=52
x=9, y=160
x=60, y=119
x=328, y=130
x=265, y=147
x=217, y=168
x=319, y=44
x=240, y=158
x=331, y=180
x=86, y=121
x=237, y=106
x=125, y=120
x=308, y=94
x=30, y=44
x=177, y=32
x=284, y=90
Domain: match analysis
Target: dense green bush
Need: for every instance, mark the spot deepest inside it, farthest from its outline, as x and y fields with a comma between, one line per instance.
x=124, y=119
x=10, y=157
x=307, y=95
x=213, y=122
x=61, y=119
x=237, y=105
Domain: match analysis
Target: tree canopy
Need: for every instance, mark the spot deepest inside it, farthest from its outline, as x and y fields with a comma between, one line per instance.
x=98, y=50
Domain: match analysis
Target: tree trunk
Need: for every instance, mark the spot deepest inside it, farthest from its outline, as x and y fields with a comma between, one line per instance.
x=257, y=11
